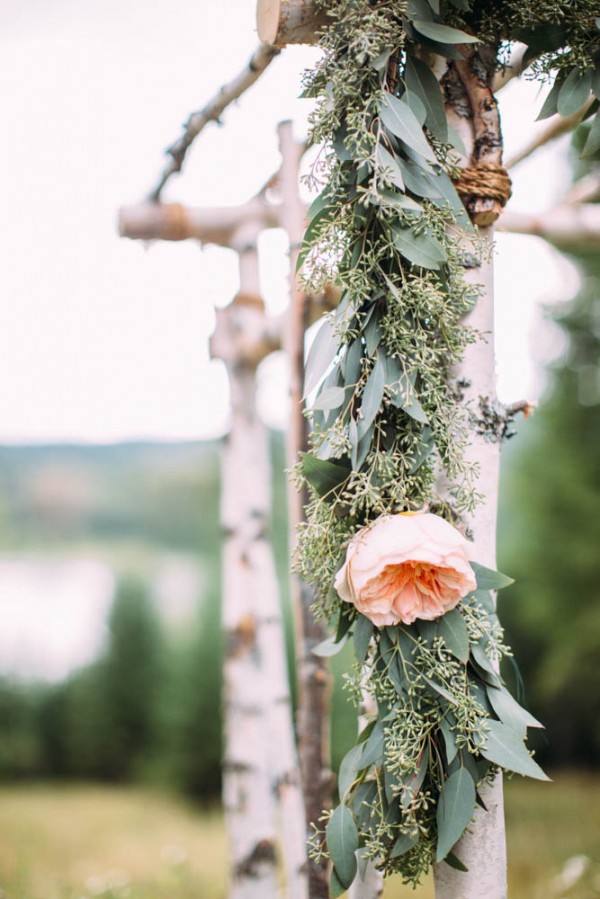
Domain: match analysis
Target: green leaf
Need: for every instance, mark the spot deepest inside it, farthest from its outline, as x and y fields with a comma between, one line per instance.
x=421, y=81
x=372, y=397
x=329, y=647
x=363, y=632
x=416, y=104
x=353, y=438
x=324, y=476
x=592, y=144
x=551, y=102
x=399, y=118
x=336, y=887
x=454, y=862
x=453, y=631
x=505, y=748
x=350, y=765
x=510, y=712
x=488, y=579
x=329, y=398
x=443, y=34
x=421, y=183
x=404, y=397
x=342, y=843
x=422, y=249
x=373, y=748
x=484, y=665
x=351, y=363
x=440, y=690
x=403, y=844
x=387, y=163
x=574, y=91
x=455, y=810
x=322, y=352
x=596, y=82
x=449, y=740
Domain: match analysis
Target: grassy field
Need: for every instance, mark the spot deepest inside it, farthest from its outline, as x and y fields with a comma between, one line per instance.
x=99, y=843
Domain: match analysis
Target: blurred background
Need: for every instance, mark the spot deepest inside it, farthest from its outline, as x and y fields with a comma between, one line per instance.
x=111, y=416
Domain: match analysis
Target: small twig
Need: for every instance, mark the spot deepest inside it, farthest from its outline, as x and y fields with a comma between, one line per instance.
x=557, y=126
x=566, y=226
x=260, y=59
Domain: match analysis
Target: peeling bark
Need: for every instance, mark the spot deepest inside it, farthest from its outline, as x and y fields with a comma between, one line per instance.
x=262, y=793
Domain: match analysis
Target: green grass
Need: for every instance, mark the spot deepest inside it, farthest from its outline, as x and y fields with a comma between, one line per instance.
x=88, y=842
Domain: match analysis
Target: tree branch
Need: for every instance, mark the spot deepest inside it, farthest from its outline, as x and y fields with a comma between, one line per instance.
x=557, y=126
x=566, y=226
x=211, y=112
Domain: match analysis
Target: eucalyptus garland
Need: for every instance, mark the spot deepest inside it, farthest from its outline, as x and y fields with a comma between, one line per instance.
x=387, y=419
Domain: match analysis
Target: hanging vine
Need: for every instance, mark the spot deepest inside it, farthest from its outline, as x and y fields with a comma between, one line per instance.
x=383, y=544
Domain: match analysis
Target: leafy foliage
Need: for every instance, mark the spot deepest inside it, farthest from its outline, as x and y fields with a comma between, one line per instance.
x=387, y=419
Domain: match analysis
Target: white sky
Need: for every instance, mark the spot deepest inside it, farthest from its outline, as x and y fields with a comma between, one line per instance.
x=103, y=339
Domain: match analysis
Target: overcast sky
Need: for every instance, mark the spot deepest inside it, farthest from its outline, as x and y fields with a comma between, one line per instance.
x=104, y=339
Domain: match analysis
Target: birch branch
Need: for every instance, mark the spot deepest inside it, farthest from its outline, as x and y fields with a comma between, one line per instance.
x=282, y=22
x=585, y=190
x=212, y=111
x=172, y=221
x=557, y=126
x=566, y=226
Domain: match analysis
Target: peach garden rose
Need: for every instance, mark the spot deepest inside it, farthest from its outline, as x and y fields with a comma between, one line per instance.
x=406, y=566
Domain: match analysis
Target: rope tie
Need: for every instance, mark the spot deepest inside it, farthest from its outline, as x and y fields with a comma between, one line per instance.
x=485, y=179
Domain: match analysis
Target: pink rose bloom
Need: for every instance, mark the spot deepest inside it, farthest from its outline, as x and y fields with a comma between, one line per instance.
x=404, y=567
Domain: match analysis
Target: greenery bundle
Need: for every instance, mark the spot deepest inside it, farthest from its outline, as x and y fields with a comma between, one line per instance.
x=387, y=418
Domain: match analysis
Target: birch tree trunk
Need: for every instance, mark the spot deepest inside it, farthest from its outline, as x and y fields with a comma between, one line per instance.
x=312, y=672
x=261, y=778
x=483, y=847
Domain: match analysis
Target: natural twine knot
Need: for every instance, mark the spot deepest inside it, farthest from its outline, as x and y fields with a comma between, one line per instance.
x=486, y=181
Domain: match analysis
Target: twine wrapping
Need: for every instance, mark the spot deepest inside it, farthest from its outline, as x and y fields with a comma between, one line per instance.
x=488, y=180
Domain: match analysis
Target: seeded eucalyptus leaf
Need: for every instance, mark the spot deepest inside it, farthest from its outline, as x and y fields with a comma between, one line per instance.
x=336, y=887
x=488, y=579
x=387, y=163
x=421, y=82
x=324, y=476
x=372, y=334
x=351, y=362
x=596, y=82
x=419, y=182
x=550, y=105
x=401, y=121
x=353, y=438
x=403, y=844
x=380, y=63
x=415, y=102
x=449, y=740
x=350, y=765
x=322, y=352
x=505, y=748
x=435, y=6
x=455, y=810
x=483, y=665
x=329, y=398
x=574, y=91
x=443, y=34
x=419, y=9
x=510, y=712
x=330, y=647
x=342, y=843
x=363, y=631
x=373, y=748
x=440, y=690
x=454, y=862
x=422, y=249
x=453, y=631
x=372, y=397
x=592, y=144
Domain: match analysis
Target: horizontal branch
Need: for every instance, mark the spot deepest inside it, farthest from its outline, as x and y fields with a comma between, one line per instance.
x=220, y=225
x=557, y=126
x=211, y=112
x=566, y=226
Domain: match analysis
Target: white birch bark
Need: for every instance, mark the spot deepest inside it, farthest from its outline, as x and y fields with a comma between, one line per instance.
x=482, y=849
x=261, y=778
